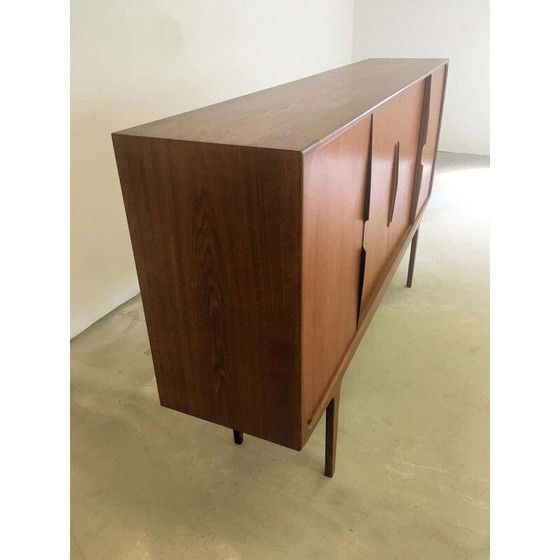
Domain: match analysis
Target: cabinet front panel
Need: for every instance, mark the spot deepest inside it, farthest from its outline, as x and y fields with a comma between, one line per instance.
x=335, y=178
x=395, y=128
x=429, y=151
x=407, y=115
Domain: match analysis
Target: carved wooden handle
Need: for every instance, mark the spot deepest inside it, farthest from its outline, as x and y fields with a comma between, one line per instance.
x=394, y=184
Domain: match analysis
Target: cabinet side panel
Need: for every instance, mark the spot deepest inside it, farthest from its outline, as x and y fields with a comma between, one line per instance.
x=216, y=233
x=335, y=178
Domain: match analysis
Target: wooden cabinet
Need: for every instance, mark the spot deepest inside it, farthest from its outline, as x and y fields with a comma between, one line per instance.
x=265, y=230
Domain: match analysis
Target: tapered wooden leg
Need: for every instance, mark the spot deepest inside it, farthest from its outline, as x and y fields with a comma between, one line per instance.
x=412, y=259
x=238, y=437
x=331, y=434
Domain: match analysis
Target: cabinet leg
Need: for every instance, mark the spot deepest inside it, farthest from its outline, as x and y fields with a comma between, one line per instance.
x=331, y=435
x=238, y=437
x=412, y=259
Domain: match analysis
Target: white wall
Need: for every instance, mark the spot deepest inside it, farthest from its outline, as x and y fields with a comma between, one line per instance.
x=134, y=61
x=454, y=29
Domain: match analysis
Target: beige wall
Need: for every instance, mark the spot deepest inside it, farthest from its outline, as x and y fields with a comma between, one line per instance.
x=135, y=61
x=454, y=29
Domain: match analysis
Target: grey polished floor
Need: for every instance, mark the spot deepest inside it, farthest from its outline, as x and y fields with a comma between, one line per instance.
x=413, y=451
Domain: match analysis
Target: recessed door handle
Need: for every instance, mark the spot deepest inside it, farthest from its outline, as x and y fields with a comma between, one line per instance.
x=394, y=184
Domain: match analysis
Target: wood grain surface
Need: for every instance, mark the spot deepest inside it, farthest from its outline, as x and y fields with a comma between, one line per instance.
x=216, y=232
x=334, y=186
x=395, y=123
x=265, y=231
x=428, y=152
x=296, y=115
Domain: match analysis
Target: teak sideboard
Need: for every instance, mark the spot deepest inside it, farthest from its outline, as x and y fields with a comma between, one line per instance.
x=265, y=231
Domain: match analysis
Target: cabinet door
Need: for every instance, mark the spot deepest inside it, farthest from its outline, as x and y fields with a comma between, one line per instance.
x=435, y=86
x=335, y=177
x=394, y=144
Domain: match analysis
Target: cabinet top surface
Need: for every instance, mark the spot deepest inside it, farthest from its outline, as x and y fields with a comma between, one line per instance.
x=298, y=115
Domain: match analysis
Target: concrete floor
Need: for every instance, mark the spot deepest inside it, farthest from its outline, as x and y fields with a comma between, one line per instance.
x=413, y=456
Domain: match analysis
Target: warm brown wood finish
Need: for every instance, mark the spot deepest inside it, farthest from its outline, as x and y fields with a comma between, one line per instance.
x=216, y=232
x=333, y=207
x=265, y=231
x=435, y=90
x=297, y=115
x=395, y=129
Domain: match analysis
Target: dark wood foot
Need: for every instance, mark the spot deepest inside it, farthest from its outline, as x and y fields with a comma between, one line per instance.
x=331, y=434
x=238, y=437
x=412, y=259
